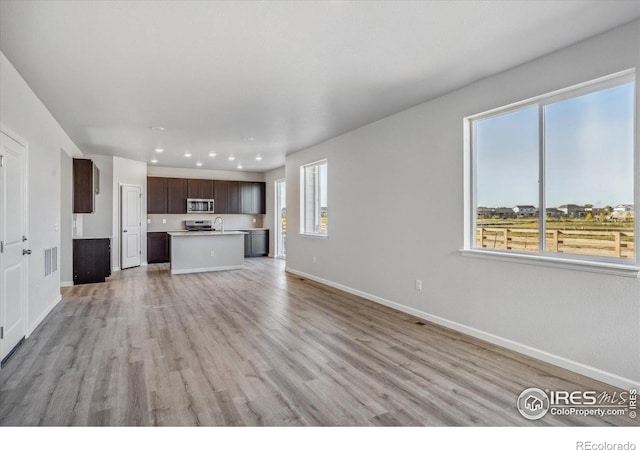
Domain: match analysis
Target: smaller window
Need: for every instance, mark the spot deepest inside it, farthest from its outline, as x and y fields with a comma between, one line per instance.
x=313, y=198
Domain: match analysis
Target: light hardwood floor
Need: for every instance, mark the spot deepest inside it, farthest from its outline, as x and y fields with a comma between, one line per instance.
x=260, y=347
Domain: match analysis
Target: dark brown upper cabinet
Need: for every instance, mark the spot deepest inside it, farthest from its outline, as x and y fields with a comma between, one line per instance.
x=176, y=196
x=156, y=195
x=227, y=197
x=252, y=197
x=200, y=189
x=83, y=186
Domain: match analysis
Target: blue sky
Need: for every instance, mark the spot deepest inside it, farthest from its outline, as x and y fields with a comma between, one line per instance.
x=588, y=152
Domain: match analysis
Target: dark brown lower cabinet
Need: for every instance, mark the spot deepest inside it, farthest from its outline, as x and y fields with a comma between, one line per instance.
x=158, y=248
x=256, y=243
x=91, y=260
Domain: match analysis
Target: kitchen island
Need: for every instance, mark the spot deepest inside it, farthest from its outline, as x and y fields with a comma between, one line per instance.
x=206, y=251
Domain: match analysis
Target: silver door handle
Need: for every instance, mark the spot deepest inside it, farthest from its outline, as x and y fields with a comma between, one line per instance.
x=26, y=252
x=24, y=239
x=124, y=231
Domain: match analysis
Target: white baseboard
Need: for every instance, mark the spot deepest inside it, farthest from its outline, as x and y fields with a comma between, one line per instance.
x=205, y=269
x=42, y=316
x=574, y=366
x=66, y=283
x=116, y=269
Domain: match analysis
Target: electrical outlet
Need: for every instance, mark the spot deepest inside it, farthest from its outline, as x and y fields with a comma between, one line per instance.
x=213, y=253
x=418, y=285
x=315, y=260
x=148, y=220
x=254, y=220
x=164, y=220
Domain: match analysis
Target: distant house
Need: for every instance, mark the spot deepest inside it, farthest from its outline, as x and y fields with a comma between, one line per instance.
x=623, y=208
x=622, y=212
x=485, y=213
x=554, y=212
x=572, y=210
x=505, y=213
x=524, y=210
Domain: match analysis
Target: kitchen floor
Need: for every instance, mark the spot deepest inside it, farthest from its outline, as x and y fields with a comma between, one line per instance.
x=260, y=347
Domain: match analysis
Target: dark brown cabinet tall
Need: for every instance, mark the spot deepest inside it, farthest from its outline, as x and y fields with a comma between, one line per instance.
x=156, y=195
x=200, y=189
x=227, y=198
x=158, y=249
x=83, y=186
x=252, y=197
x=176, y=196
x=91, y=260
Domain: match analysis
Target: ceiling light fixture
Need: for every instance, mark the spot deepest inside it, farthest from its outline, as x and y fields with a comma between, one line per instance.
x=231, y=158
x=258, y=158
x=239, y=166
x=252, y=139
x=187, y=155
x=198, y=164
x=212, y=154
x=153, y=161
x=159, y=150
x=157, y=128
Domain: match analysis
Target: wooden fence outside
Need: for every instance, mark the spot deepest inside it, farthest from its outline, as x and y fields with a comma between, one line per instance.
x=617, y=244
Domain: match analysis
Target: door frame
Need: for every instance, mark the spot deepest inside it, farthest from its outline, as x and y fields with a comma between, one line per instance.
x=120, y=186
x=277, y=213
x=25, y=205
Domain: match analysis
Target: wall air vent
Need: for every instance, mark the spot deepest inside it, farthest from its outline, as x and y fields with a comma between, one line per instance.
x=50, y=260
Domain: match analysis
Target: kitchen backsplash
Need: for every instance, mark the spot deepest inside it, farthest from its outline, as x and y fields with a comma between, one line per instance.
x=176, y=221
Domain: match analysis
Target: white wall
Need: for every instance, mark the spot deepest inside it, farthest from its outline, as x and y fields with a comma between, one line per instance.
x=270, y=218
x=23, y=113
x=127, y=171
x=66, y=219
x=388, y=179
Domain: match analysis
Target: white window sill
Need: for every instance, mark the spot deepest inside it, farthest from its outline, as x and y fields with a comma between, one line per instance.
x=624, y=270
x=314, y=236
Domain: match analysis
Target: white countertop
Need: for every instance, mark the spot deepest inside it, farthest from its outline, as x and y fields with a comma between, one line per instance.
x=204, y=233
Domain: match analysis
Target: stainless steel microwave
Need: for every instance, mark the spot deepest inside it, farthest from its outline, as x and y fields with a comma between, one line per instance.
x=199, y=206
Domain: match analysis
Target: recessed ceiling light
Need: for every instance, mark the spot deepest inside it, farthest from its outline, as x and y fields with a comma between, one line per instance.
x=212, y=154
x=231, y=158
x=154, y=161
x=187, y=155
x=157, y=128
x=258, y=158
x=198, y=164
x=239, y=166
x=252, y=139
x=159, y=150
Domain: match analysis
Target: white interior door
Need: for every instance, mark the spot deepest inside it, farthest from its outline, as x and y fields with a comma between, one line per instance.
x=13, y=230
x=130, y=252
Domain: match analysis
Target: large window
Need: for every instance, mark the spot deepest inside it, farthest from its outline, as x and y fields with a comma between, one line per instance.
x=313, y=196
x=554, y=176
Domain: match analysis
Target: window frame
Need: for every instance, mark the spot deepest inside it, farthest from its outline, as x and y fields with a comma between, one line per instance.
x=303, y=231
x=611, y=265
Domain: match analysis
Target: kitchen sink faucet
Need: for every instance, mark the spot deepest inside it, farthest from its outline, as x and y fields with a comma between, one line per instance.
x=221, y=223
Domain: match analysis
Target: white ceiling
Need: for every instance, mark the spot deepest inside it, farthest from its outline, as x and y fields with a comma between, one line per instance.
x=287, y=74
